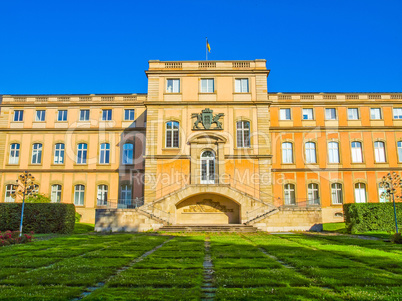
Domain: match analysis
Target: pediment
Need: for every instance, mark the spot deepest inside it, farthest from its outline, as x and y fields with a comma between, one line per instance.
x=207, y=138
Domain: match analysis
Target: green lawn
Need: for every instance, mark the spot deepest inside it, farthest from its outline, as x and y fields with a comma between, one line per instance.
x=255, y=266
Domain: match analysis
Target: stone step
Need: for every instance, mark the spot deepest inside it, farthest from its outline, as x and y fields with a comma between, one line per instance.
x=209, y=228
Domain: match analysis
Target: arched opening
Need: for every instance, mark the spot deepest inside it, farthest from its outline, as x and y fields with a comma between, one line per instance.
x=208, y=167
x=207, y=209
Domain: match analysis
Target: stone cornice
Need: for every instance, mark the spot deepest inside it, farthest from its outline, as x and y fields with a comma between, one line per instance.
x=332, y=128
x=335, y=169
x=206, y=103
x=97, y=129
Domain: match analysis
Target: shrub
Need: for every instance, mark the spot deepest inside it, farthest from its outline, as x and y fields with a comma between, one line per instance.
x=37, y=198
x=396, y=238
x=38, y=217
x=77, y=217
x=371, y=217
x=13, y=237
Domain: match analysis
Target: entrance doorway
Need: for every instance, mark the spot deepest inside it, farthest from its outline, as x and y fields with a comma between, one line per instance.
x=208, y=167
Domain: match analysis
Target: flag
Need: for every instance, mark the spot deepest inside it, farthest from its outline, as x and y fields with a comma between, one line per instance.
x=208, y=46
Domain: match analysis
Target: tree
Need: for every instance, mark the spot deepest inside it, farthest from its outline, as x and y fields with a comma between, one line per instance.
x=392, y=184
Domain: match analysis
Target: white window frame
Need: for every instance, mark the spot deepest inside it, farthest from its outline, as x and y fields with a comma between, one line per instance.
x=333, y=152
x=172, y=139
x=308, y=114
x=285, y=114
x=55, y=194
x=173, y=85
x=360, y=192
x=104, y=153
x=336, y=193
x=329, y=115
x=375, y=114
x=9, y=191
x=62, y=115
x=310, y=152
x=379, y=152
x=287, y=152
x=313, y=194
x=14, y=157
x=207, y=85
x=357, y=152
x=82, y=153
x=37, y=153
x=241, y=85
x=102, y=195
x=243, y=134
x=59, y=149
x=353, y=114
x=19, y=115
x=107, y=115
x=40, y=115
x=208, y=168
x=84, y=115
x=397, y=113
x=399, y=148
x=129, y=114
x=289, y=191
x=79, y=195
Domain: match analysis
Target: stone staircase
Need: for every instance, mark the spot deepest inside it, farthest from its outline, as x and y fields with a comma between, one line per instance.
x=209, y=228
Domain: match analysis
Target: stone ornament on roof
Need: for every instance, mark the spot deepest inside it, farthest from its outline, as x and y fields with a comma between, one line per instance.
x=207, y=119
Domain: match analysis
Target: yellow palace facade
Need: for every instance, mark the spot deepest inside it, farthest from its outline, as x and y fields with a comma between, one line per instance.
x=207, y=145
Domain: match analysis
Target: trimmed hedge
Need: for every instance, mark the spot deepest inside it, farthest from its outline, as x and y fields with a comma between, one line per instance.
x=371, y=217
x=38, y=217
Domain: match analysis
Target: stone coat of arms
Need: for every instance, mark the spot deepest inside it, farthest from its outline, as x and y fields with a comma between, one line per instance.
x=207, y=119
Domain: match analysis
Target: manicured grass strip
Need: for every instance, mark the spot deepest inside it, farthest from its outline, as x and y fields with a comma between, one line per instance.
x=27, y=262
x=369, y=293
x=34, y=292
x=246, y=263
x=114, y=253
x=158, y=278
x=70, y=276
x=146, y=293
x=353, y=277
x=93, y=262
x=178, y=254
x=81, y=228
x=275, y=293
x=5, y=272
x=170, y=263
x=258, y=277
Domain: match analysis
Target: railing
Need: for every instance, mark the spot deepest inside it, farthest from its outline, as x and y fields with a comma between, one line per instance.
x=121, y=203
x=156, y=212
x=260, y=211
x=302, y=203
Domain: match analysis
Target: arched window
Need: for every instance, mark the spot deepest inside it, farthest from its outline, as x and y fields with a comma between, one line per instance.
x=102, y=195
x=379, y=151
x=312, y=194
x=287, y=152
x=59, y=153
x=172, y=134
x=56, y=193
x=336, y=192
x=311, y=156
x=400, y=151
x=360, y=193
x=290, y=196
x=14, y=157
x=82, y=149
x=243, y=133
x=104, y=154
x=79, y=195
x=128, y=153
x=37, y=153
x=9, y=193
x=357, y=154
x=208, y=167
x=333, y=152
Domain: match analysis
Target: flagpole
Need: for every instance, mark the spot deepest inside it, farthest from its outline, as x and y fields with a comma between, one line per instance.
x=206, y=49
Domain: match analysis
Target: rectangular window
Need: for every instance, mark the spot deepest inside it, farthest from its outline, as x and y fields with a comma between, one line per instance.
x=284, y=114
x=336, y=191
x=84, y=115
x=9, y=193
x=207, y=85
x=14, y=153
x=40, y=115
x=128, y=153
x=82, y=153
x=107, y=115
x=308, y=114
x=18, y=115
x=333, y=152
x=353, y=114
x=62, y=115
x=36, y=153
x=79, y=195
x=379, y=152
x=56, y=194
x=397, y=113
x=330, y=114
x=287, y=152
x=241, y=85
x=360, y=193
x=173, y=86
x=375, y=113
x=125, y=196
x=357, y=154
x=59, y=153
x=104, y=154
x=129, y=114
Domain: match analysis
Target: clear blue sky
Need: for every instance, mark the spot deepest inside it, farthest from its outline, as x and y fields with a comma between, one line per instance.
x=99, y=46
